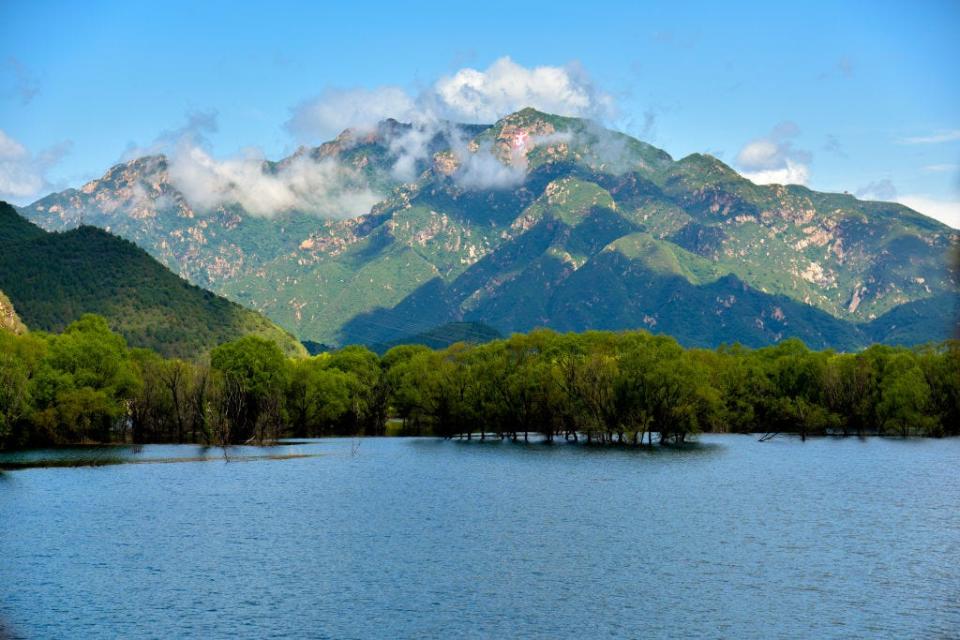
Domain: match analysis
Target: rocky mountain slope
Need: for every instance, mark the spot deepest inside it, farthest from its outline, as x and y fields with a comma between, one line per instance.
x=9, y=320
x=540, y=220
x=54, y=278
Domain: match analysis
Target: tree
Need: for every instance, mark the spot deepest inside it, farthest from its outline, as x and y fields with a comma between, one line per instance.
x=368, y=389
x=13, y=394
x=941, y=369
x=85, y=382
x=905, y=398
x=255, y=379
x=317, y=396
x=150, y=409
x=406, y=375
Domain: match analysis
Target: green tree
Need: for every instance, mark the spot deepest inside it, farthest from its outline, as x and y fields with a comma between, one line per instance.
x=318, y=396
x=941, y=369
x=83, y=385
x=255, y=380
x=368, y=390
x=904, y=406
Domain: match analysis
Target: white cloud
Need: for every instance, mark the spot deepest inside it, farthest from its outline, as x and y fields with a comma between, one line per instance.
x=791, y=173
x=946, y=211
x=22, y=173
x=324, y=188
x=476, y=96
x=335, y=110
x=947, y=135
x=194, y=131
x=412, y=146
x=467, y=96
x=482, y=169
x=18, y=178
x=773, y=159
x=759, y=154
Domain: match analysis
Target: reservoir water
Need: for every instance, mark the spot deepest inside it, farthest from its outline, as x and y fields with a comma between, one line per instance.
x=424, y=538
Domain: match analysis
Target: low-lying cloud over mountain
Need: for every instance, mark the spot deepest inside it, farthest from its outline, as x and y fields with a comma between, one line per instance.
x=328, y=188
x=469, y=96
x=24, y=174
x=773, y=159
x=320, y=187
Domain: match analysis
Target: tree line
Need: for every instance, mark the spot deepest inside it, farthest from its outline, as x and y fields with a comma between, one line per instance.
x=629, y=388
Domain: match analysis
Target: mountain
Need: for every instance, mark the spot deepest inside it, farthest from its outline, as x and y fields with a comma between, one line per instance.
x=9, y=320
x=445, y=335
x=914, y=322
x=54, y=278
x=541, y=220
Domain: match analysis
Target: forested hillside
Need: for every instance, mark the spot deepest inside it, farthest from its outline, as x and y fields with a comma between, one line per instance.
x=52, y=279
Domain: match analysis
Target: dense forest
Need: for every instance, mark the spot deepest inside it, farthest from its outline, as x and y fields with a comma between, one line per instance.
x=629, y=388
x=53, y=278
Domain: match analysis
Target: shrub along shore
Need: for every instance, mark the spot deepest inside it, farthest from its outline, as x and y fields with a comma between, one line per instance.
x=630, y=388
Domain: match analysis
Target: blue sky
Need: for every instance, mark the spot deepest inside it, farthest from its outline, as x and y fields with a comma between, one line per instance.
x=862, y=97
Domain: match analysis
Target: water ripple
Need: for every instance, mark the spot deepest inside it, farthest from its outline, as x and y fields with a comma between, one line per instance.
x=431, y=539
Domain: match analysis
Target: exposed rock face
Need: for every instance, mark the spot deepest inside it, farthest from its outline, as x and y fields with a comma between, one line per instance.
x=480, y=248
x=9, y=321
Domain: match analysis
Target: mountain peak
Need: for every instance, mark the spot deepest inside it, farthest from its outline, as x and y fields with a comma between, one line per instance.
x=529, y=112
x=530, y=117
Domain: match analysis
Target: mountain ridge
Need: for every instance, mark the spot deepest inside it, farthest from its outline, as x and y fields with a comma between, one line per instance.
x=853, y=260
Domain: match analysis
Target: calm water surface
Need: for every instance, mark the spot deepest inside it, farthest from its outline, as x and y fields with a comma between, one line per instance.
x=420, y=538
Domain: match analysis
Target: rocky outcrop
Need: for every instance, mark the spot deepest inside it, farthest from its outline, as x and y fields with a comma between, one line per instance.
x=9, y=320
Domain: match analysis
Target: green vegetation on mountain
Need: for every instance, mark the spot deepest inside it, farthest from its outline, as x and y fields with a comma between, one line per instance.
x=443, y=336
x=665, y=258
x=53, y=279
x=579, y=227
x=623, y=388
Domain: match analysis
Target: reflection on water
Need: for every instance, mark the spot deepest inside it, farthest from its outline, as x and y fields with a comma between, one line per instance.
x=101, y=455
x=430, y=538
x=693, y=446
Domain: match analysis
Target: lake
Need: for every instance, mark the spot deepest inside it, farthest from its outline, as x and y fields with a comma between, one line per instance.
x=425, y=538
